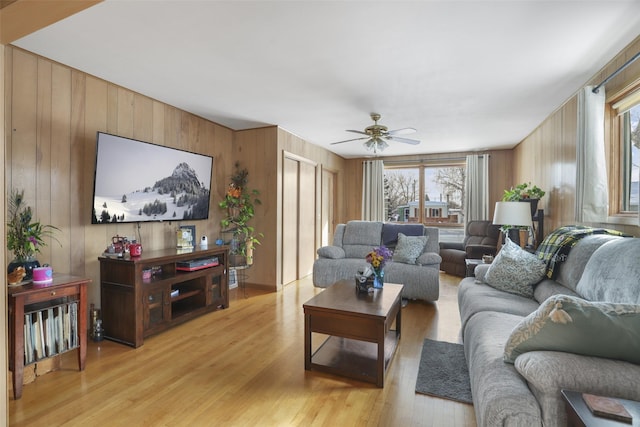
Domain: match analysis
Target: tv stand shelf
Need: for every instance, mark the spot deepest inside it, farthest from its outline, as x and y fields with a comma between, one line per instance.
x=134, y=308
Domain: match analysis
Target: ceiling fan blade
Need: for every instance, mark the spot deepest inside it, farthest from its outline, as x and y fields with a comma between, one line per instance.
x=357, y=131
x=405, y=140
x=349, y=140
x=403, y=131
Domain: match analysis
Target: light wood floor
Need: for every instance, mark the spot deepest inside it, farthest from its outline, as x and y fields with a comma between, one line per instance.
x=243, y=366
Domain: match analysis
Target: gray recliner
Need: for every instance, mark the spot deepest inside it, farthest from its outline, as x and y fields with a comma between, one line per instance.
x=481, y=238
x=352, y=242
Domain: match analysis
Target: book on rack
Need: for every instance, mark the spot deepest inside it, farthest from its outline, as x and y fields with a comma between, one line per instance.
x=607, y=407
x=50, y=349
x=28, y=344
x=73, y=338
x=67, y=327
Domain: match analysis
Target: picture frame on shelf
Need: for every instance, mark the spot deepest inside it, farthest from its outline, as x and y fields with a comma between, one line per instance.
x=185, y=236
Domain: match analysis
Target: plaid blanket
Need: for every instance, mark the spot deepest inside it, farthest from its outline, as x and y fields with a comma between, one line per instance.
x=555, y=248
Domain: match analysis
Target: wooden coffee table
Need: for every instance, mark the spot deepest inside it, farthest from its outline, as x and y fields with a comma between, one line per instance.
x=361, y=343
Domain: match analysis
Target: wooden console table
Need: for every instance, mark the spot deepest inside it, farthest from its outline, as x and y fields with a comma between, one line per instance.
x=134, y=306
x=55, y=316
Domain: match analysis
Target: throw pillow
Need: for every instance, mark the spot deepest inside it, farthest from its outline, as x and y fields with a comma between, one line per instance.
x=409, y=248
x=333, y=252
x=573, y=325
x=612, y=273
x=515, y=270
x=429, y=258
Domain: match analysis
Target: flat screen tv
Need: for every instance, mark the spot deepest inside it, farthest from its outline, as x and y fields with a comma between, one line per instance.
x=137, y=181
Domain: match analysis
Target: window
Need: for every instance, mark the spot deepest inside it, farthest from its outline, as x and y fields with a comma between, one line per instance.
x=627, y=112
x=440, y=187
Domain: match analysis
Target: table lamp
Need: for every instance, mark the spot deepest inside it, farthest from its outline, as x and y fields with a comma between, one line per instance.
x=513, y=214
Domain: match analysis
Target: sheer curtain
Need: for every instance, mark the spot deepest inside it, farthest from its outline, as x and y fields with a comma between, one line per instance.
x=592, y=192
x=373, y=190
x=476, y=194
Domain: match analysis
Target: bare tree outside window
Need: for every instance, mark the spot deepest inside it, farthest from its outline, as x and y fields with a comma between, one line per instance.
x=452, y=181
x=443, y=194
x=401, y=187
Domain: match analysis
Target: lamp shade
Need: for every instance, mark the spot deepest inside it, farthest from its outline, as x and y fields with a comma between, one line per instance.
x=515, y=214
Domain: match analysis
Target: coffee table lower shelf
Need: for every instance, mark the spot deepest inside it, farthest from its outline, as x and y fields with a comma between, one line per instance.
x=353, y=358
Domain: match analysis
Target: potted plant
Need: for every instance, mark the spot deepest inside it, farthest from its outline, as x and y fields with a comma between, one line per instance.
x=525, y=192
x=239, y=203
x=24, y=237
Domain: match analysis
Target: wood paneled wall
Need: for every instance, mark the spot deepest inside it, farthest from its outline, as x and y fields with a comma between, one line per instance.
x=256, y=150
x=53, y=113
x=547, y=157
x=3, y=278
x=500, y=176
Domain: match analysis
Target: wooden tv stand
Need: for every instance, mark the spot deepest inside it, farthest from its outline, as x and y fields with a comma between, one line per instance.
x=134, y=308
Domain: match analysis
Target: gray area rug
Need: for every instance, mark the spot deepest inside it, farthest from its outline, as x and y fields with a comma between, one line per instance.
x=443, y=371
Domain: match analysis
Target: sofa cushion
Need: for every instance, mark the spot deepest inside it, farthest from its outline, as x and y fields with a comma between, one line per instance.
x=338, y=234
x=409, y=248
x=429, y=258
x=548, y=372
x=570, y=271
x=548, y=288
x=515, y=270
x=333, y=252
x=390, y=232
x=573, y=325
x=608, y=276
x=474, y=298
x=360, y=237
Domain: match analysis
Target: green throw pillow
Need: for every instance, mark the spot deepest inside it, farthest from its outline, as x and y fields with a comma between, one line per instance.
x=573, y=325
x=409, y=248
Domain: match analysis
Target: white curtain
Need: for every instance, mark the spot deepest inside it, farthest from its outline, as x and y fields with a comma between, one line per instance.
x=476, y=188
x=592, y=193
x=373, y=190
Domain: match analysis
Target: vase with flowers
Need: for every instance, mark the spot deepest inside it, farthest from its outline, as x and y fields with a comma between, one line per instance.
x=239, y=204
x=25, y=237
x=378, y=258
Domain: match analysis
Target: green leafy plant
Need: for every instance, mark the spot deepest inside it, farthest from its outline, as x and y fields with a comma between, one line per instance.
x=239, y=202
x=24, y=237
x=522, y=192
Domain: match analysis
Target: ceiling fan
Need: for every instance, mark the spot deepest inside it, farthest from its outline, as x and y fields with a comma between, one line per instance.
x=378, y=135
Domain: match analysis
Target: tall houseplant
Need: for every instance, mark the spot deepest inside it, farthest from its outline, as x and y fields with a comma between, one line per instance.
x=525, y=192
x=239, y=203
x=24, y=237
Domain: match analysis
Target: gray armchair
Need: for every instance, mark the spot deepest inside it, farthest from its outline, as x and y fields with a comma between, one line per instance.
x=481, y=238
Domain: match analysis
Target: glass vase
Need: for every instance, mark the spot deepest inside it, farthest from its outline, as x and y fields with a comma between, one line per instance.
x=378, y=279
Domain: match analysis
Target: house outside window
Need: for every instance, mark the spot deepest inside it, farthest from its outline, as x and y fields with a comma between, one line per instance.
x=627, y=115
x=431, y=194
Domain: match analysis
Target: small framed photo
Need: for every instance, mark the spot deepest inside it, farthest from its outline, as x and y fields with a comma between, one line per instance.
x=186, y=236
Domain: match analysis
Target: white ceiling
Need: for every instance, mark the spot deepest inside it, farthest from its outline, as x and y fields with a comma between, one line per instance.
x=468, y=75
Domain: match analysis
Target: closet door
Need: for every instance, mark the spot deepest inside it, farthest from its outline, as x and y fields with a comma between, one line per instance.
x=289, y=220
x=306, y=218
x=327, y=206
x=299, y=217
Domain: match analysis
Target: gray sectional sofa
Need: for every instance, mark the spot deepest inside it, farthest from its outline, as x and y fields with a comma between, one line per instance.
x=354, y=240
x=526, y=390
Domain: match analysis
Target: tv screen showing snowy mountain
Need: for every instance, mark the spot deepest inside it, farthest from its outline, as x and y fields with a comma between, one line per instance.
x=137, y=181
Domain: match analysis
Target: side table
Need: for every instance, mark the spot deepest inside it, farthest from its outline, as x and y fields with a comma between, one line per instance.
x=579, y=415
x=66, y=297
x=471, y=266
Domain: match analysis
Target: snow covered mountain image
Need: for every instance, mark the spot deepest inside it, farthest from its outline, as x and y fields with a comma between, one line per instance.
x=179, y=196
